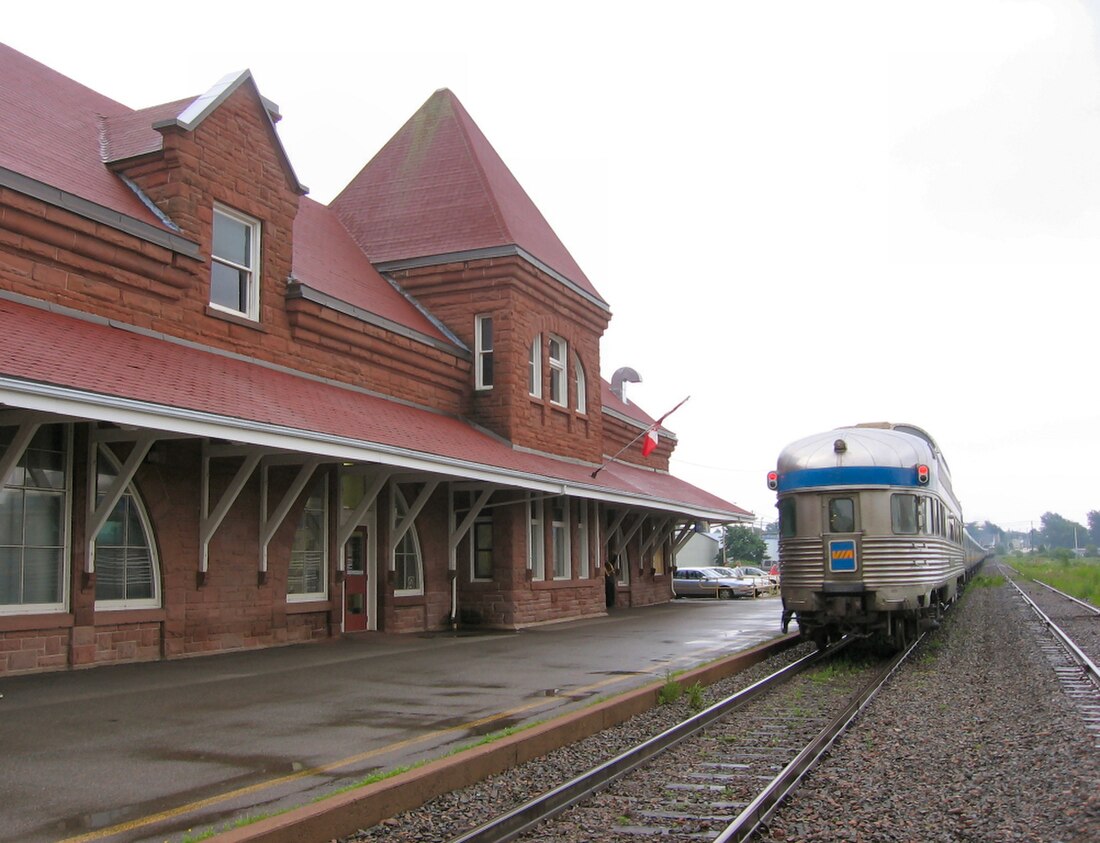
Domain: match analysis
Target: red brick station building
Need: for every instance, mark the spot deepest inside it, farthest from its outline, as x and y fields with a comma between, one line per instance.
x=232, y=417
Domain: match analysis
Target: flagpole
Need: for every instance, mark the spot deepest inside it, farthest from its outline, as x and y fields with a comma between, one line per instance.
x=633, y=441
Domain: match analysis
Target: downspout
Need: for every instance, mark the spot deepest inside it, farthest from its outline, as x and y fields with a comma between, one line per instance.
x=454, y=600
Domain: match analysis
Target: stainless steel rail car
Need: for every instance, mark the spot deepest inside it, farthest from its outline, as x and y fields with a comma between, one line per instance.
x=871, y=534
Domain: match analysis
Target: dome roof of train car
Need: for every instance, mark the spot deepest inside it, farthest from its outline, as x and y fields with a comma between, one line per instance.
x=864, y=445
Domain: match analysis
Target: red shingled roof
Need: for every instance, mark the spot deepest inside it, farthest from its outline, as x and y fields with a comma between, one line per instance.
x=51, y=130
x=60, y=133
x=166, y=377
x=438, y=187
x=328, y=260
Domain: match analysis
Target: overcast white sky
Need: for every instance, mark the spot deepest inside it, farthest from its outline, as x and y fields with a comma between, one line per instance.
x=803, y=214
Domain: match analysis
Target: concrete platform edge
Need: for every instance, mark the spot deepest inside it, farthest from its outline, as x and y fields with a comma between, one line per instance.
x=345, y=813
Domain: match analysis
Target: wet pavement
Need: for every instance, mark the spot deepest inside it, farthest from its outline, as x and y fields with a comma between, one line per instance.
x=164, y=750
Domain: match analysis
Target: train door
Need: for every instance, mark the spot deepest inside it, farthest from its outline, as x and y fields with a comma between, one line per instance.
x=841, y=520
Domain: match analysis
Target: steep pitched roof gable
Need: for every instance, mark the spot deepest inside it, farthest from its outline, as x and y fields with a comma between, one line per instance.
x=439, y=188
x=138, y=132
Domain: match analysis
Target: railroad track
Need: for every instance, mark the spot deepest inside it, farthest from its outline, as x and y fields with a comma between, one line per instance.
x=717, y=776
x=1072, y=645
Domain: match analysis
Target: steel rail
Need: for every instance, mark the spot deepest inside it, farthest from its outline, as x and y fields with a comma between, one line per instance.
x=760, y=810
x=1082, y=603
x=1075, y=652
x=527, y=816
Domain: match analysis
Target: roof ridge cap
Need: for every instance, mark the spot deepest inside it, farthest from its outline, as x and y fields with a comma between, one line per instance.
x=483, y=177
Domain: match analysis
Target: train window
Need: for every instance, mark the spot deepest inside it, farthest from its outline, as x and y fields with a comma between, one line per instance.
x=903, y=513
x=842, y=515
x=788, y=524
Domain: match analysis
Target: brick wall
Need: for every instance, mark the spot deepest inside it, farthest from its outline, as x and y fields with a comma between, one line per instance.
x=59, y=257
x=524, y=302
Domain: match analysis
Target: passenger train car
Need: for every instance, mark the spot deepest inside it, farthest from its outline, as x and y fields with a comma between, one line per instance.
x=872, y=539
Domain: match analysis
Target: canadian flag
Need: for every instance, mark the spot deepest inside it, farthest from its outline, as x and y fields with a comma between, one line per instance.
x=649, y=442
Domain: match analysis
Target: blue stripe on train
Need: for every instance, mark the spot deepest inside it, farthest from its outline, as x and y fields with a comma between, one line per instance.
x=854, y=475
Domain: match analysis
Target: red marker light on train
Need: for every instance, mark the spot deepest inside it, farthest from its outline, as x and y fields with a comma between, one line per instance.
x=922, y=475
x=773, y=480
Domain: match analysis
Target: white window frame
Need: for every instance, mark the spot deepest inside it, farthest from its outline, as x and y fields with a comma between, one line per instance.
x=536, y=538
x=584, y=562
x=597, y=543
x=582, y=386
x=66, y=540
x=154, y=602
x=559, y=380
x=534, y=367
x=560, y=550
x=307, y=596
x=483, y=351
x=399, y=507
x=252, y=307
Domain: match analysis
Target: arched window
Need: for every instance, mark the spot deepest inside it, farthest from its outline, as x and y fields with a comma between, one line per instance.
x=127, y=575
x=408, y=568
x=534, y=367
x=558, y=387
x=582, y=388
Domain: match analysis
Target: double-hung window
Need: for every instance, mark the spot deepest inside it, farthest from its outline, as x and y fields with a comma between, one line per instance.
x=483, y=351
x=34, y=513
x=536, y=540
x=481, y=548
x=582, y=540
x=559, y=537
x=558, y=381
x=235, y=263
x=308, y=577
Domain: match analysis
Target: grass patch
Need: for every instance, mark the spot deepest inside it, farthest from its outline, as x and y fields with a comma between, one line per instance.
x=695, y=697
x=240, y=822
x=833, y=670
x=366, y=780
x=988, y=581
x=670, y=692
x=1079, y=577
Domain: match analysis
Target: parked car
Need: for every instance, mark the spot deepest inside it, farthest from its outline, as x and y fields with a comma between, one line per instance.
x=761, y=582
x=710, y=582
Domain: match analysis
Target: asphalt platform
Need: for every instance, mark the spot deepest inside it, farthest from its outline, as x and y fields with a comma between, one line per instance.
x=165, y=750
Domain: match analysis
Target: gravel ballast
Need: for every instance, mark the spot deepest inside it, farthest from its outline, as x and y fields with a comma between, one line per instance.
x=974, y=741
x=977, y=741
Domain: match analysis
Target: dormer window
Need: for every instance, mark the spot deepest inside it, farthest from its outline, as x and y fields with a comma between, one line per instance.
x=483, y=351
x=558, y=381
x=235, y=263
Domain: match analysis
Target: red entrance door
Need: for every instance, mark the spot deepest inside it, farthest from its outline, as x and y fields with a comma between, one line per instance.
x=355, y=582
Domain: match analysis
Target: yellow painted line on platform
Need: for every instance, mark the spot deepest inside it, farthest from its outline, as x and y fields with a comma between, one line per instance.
x=173, y=813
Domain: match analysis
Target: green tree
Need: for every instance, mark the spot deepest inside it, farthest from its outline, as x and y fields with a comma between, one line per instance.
x=1060, y=532
x=742, y=544
x=1094, y=526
